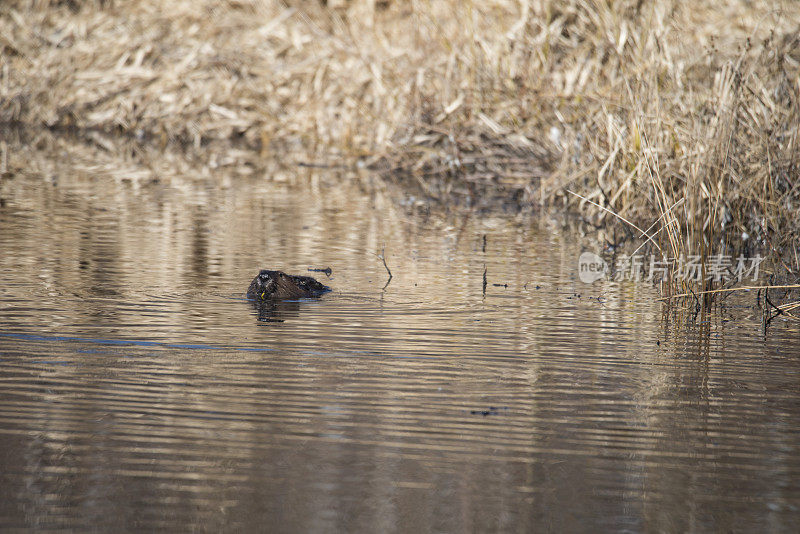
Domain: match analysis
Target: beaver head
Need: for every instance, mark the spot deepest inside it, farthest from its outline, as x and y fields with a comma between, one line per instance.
x=277, y=285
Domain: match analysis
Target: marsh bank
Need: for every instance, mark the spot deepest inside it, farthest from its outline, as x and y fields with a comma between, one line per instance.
x=662, y=112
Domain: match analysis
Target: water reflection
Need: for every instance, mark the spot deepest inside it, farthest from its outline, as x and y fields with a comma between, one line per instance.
x=140, y=389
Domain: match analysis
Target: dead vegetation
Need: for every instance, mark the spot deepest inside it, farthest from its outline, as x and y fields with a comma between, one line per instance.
x=681, y=118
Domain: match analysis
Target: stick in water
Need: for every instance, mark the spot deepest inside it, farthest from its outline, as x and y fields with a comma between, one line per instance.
x=383, y=259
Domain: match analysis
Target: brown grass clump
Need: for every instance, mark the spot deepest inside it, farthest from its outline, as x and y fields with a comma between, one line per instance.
x=681, y=114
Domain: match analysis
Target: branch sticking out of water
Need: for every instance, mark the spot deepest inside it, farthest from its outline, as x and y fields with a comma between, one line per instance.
x=382, y=256
x=327, y=270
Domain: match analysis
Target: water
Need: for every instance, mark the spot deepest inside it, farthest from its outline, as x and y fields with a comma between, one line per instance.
x=140, y=390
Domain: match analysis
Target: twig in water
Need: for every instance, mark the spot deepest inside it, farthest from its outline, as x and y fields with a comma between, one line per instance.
x=383, y=259
x=326, y=270
x=771, y=316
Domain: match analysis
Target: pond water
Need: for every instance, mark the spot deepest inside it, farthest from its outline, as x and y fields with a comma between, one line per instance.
x=140, y=390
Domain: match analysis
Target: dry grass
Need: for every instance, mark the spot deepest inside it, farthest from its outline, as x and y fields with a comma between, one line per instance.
x=681, y=114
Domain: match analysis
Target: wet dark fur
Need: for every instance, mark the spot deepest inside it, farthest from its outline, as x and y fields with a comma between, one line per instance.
x=277, y=285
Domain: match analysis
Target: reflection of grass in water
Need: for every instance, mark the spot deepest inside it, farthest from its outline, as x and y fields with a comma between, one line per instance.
x=652, y=110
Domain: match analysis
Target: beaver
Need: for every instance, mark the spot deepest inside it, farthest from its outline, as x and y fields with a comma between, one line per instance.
x=277, y=285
